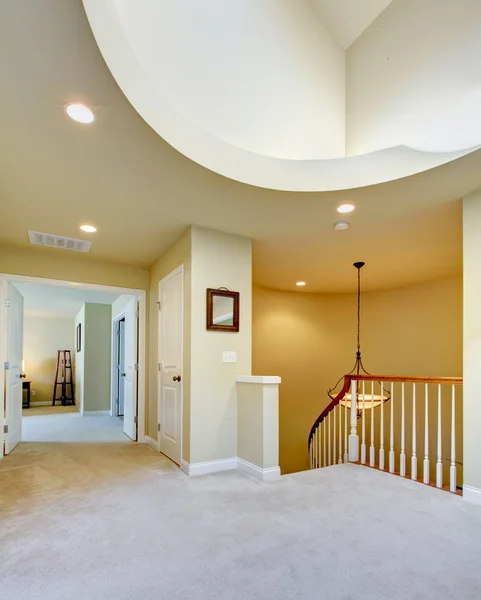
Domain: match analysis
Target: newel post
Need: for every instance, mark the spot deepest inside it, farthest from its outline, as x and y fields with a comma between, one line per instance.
x=353, y=437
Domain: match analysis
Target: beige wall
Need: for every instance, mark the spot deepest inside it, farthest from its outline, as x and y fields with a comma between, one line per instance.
x=80, y=359
x=472, y=339
x=218, y=260
x=178, y=254
x=97, y=357
x=42, y=338
x=70, y=266
x=310, y=341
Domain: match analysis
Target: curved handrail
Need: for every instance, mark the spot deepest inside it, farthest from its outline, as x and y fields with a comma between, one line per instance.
x=392, y=378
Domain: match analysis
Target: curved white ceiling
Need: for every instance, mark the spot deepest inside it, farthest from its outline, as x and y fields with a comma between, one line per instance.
x=256, y=91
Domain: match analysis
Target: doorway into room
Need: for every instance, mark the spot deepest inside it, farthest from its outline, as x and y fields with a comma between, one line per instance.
x=42, y=320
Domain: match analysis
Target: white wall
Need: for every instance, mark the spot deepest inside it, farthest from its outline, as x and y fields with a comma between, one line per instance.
x=118, y=307
x=413, y=77
x=42, y=338
x=472, y=343
x=265, y=76
x=218, y=260
x=79, y=360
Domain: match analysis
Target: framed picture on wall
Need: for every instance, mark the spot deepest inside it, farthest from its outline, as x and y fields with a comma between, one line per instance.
x=79, y=337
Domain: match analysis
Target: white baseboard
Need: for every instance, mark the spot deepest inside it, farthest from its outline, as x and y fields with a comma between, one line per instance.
x=96, y=413
x=264, y=475
x=231, y=464
x=151, y=442
x=204, y=468
x=472, y=494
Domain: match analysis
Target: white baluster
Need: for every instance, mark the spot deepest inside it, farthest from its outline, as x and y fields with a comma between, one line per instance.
x=391, y=433
x=345, y=432
x=414, y=458
x=353, y=437
x=402, y=468
x=324, y=438
x=452, y=470
x=316, y=459
x=372, y=451
x=329, y=439
x=334, y=438
x=439, y=462
x=339, y=412
x=426, y=436
x=381, y=441
x=363, y=443
x=311, y=455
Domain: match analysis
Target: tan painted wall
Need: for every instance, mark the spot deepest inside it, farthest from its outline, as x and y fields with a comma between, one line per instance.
x=310, y=341
x=97, y=356
x=218, y=260
x=177, y=255
x=42, y=337
x=70, y=266
x=472, y=338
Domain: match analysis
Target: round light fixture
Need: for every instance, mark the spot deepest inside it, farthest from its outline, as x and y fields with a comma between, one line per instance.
x=88, y=228
x=341, y=225
x=301, y=283
x=345, y=208
x=79, y=112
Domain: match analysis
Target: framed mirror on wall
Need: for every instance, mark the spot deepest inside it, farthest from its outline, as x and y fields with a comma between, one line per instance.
x=222, y=310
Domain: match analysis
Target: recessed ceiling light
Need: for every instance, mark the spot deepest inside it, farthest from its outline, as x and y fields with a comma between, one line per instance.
x=341, y=225
x=79, y=112
x=345, y=208
x=301, y=283
x=88, y=228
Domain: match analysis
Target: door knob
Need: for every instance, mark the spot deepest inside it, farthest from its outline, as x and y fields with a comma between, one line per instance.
x=176, y=378
x=122, y=374
x=22, y=376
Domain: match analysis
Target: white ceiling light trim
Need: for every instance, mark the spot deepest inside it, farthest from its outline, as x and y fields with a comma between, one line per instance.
x=79, y=112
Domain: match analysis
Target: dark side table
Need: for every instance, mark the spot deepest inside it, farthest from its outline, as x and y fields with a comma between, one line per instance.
x=26, y=386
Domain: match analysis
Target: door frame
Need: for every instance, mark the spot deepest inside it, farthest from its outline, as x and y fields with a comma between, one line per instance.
x=159, y=371
x=115, y=321
x=141, y=295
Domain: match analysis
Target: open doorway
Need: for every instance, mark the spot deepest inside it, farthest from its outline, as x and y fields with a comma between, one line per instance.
x=58, y=357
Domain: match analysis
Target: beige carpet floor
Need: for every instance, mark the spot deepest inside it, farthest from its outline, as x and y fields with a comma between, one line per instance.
x=72, y=427
x=37, y=411
x=118, y=521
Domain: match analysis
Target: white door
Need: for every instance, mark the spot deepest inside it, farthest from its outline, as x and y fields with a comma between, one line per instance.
x=171, y=297
x=14, y=353
x=130, y=372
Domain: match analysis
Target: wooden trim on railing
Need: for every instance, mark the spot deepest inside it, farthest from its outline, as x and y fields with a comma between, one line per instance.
x=410, y=379
x=390, y=378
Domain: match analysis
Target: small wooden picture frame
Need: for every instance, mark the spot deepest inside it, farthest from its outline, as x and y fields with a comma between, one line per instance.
x=222, y=310
x=79, y=338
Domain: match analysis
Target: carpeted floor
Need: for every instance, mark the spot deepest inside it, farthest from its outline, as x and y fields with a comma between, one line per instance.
x=37, y=411
x=72, y=427
x=118, y=521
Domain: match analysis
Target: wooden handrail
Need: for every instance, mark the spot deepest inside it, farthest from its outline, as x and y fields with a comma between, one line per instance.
x=408, y=379
x=392, y=378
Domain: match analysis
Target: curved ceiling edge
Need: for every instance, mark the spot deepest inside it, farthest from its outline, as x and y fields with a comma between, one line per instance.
x=237, y=163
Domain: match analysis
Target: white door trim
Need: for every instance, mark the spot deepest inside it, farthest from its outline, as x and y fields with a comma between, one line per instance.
x=159, y=373
x=113, y=374
x=5, y=278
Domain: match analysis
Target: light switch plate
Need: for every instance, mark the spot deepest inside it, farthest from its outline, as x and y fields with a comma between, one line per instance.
x=229, y=357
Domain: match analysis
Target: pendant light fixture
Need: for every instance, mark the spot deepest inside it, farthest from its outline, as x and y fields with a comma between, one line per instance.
x=370, y=399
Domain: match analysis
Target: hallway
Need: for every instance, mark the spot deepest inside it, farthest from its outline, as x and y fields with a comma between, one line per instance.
x=70, y=426
x=117, y=520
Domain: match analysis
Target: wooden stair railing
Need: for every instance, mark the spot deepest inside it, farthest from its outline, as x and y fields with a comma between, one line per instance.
x=411, y=401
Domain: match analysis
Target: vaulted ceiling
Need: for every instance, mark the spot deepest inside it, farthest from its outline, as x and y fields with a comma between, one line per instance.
x=142, y=193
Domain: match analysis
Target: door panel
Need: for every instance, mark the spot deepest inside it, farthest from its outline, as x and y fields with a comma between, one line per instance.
x=170, y=359
x=14, y=353
x=130, y=378
x=121, y=368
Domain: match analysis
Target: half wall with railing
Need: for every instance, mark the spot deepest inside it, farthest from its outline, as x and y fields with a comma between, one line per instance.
x=411, y=426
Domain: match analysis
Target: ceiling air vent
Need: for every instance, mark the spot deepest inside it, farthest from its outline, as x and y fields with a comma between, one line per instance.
x=58, y=241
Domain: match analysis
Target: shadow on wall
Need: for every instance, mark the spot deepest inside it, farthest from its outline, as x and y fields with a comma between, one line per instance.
x=310, y=341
